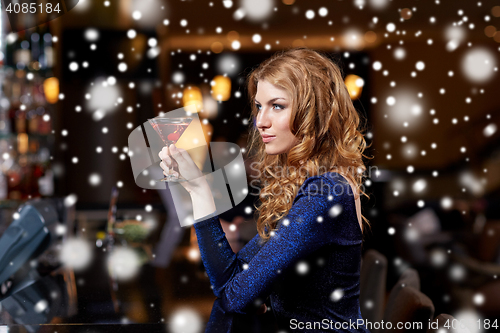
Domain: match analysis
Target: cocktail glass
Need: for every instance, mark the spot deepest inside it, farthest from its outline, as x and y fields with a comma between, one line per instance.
x=170, y=130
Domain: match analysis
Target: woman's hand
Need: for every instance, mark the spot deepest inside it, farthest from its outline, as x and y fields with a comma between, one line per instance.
x=178, y=158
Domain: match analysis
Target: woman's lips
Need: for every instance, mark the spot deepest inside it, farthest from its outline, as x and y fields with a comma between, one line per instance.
x=268, y=139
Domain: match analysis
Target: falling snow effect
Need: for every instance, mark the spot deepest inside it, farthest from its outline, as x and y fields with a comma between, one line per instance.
x=76, y=253
x=478, y=65
x=123, y=263
x=185, y=320
x=405, y=102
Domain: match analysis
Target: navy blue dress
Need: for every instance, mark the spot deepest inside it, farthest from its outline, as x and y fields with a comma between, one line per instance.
x=309, y=268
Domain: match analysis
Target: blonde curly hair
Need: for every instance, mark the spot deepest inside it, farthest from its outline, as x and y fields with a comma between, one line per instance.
x=323, y=119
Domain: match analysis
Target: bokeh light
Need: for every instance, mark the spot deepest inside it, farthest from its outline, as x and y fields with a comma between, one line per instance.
x=103, y=96
x=185, y=320
x=123, y=263
x=467, y=320
x=455, y=35
x=192, y=96
x=221, y=88
x=378, y=4
x=354, y=85
x=76, y=253
x=228, y=64
x=438, y=257
x=478, y=65
x=257, y=10
x=337, y=294
x=405, y=107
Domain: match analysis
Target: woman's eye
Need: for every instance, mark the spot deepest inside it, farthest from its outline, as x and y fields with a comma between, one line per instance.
x=278, y=106
x=258, y=106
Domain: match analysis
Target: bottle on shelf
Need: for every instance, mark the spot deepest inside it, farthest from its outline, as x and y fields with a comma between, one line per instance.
x=25, y=122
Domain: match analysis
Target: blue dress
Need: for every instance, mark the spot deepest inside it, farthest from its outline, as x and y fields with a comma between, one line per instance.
x=309, y=268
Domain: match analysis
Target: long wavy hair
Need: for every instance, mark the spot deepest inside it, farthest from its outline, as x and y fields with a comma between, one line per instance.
x=323, y=119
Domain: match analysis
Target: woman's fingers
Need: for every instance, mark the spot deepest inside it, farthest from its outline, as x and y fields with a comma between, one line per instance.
x=163, y=153
x=185, y=155
x=176, y=160
x=181, y=157
x=165, y=168
x=176, y=153
x=169, y=171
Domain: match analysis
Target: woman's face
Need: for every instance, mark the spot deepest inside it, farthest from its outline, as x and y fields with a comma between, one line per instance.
x=273, y=118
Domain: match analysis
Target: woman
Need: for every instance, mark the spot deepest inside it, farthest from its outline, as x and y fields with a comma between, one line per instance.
x=308, y=151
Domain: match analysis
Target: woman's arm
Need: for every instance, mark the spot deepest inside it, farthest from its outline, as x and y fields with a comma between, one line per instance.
x=199, y=190
x=307, y=227
x=203, y=201
x=206, y=218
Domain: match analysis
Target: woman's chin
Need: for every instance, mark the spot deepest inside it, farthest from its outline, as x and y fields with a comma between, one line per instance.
x=271, y=151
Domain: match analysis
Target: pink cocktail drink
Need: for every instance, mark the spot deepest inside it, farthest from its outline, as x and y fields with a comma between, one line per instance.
x=170, y=130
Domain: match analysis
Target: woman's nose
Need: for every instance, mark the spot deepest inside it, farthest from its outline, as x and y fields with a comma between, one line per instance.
x=263, y=120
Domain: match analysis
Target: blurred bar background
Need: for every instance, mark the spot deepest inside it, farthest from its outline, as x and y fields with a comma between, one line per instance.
x=423, y=74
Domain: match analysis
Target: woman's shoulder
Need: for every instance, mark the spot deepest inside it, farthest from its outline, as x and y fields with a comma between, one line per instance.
x=335, y=191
